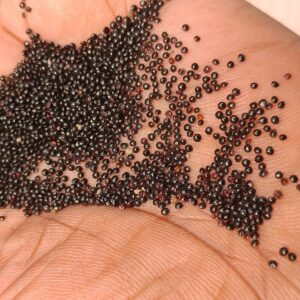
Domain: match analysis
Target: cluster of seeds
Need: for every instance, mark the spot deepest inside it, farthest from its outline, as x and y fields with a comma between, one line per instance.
x=283, y=251
x=26, y=9
x=81, y=113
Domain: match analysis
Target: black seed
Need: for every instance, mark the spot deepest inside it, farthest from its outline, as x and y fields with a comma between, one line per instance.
x=2, y=218
x=206, y=69
x=287, y=76
x=178, y=57
x=282, y=137
x=247, y=148
x=191, y=119
x=274, y=84
x=185, y=27
x=257, y=132
x=283, y=251
x=165, y=211
x=181, y=86
x=178, y=205
x=270, y=150
x=273, y=133
x=275, y=119
x=197, y=137
x=293, y=178
x=208, y=130
x=257, y=150
x=273, y=264
x=230, y=64
x=274, y=99
x=253, y=85
x=278, y=175
x=184, y=50
x=202, y=205
x=197, y=38
x=215, y=62
x=154, y=37
x=241, y=57
x=292, y=256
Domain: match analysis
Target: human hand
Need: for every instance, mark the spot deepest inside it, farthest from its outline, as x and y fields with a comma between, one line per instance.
x=100, y=252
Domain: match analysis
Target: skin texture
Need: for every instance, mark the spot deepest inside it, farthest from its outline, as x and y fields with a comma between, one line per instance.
x=104, y=253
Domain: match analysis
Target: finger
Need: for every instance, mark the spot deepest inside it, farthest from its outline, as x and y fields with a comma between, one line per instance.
x=63, y=21
x=10, y=50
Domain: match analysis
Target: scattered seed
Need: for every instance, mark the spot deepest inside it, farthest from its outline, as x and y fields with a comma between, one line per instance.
x=230, y=64
x=215, y=61
x=292, y=256
x=270, y=150
x=273, y=264
x=254, y=85
x=283, y=251
x=185, y=27
x=241, y=57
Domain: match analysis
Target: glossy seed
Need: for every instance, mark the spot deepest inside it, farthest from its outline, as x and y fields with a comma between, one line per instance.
x=178, y=205
x=165, y=211
x=270, y=150
x=293, y=179
x=241, y=57
x=278, y=175
x=254, y=85
x=215, y=61
x=292, y=256
x=273, y=264
x=283, y=251
x=185, y=27
x=282, y=137
x=230, y=64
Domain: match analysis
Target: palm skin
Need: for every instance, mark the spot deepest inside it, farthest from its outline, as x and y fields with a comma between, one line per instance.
x=106, y=253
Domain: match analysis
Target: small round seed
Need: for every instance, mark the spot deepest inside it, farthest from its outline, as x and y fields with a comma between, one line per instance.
x=292, y=256
x=293, y=179
x=273, y=264
x=185, y=27
x=230, y=64
x=254, y=85
x=215, y=61
x=178, y=205
x=270, y=150
x=274, y=84
x=241, y=57
x=283, y=251
x=165, y=211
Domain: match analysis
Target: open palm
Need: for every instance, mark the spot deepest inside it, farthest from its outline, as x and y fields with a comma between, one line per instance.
x=105, y=253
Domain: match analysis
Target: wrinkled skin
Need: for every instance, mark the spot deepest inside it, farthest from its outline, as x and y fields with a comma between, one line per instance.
x=106, y=253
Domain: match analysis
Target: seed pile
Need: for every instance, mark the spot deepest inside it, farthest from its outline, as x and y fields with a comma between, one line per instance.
x=81, y=110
